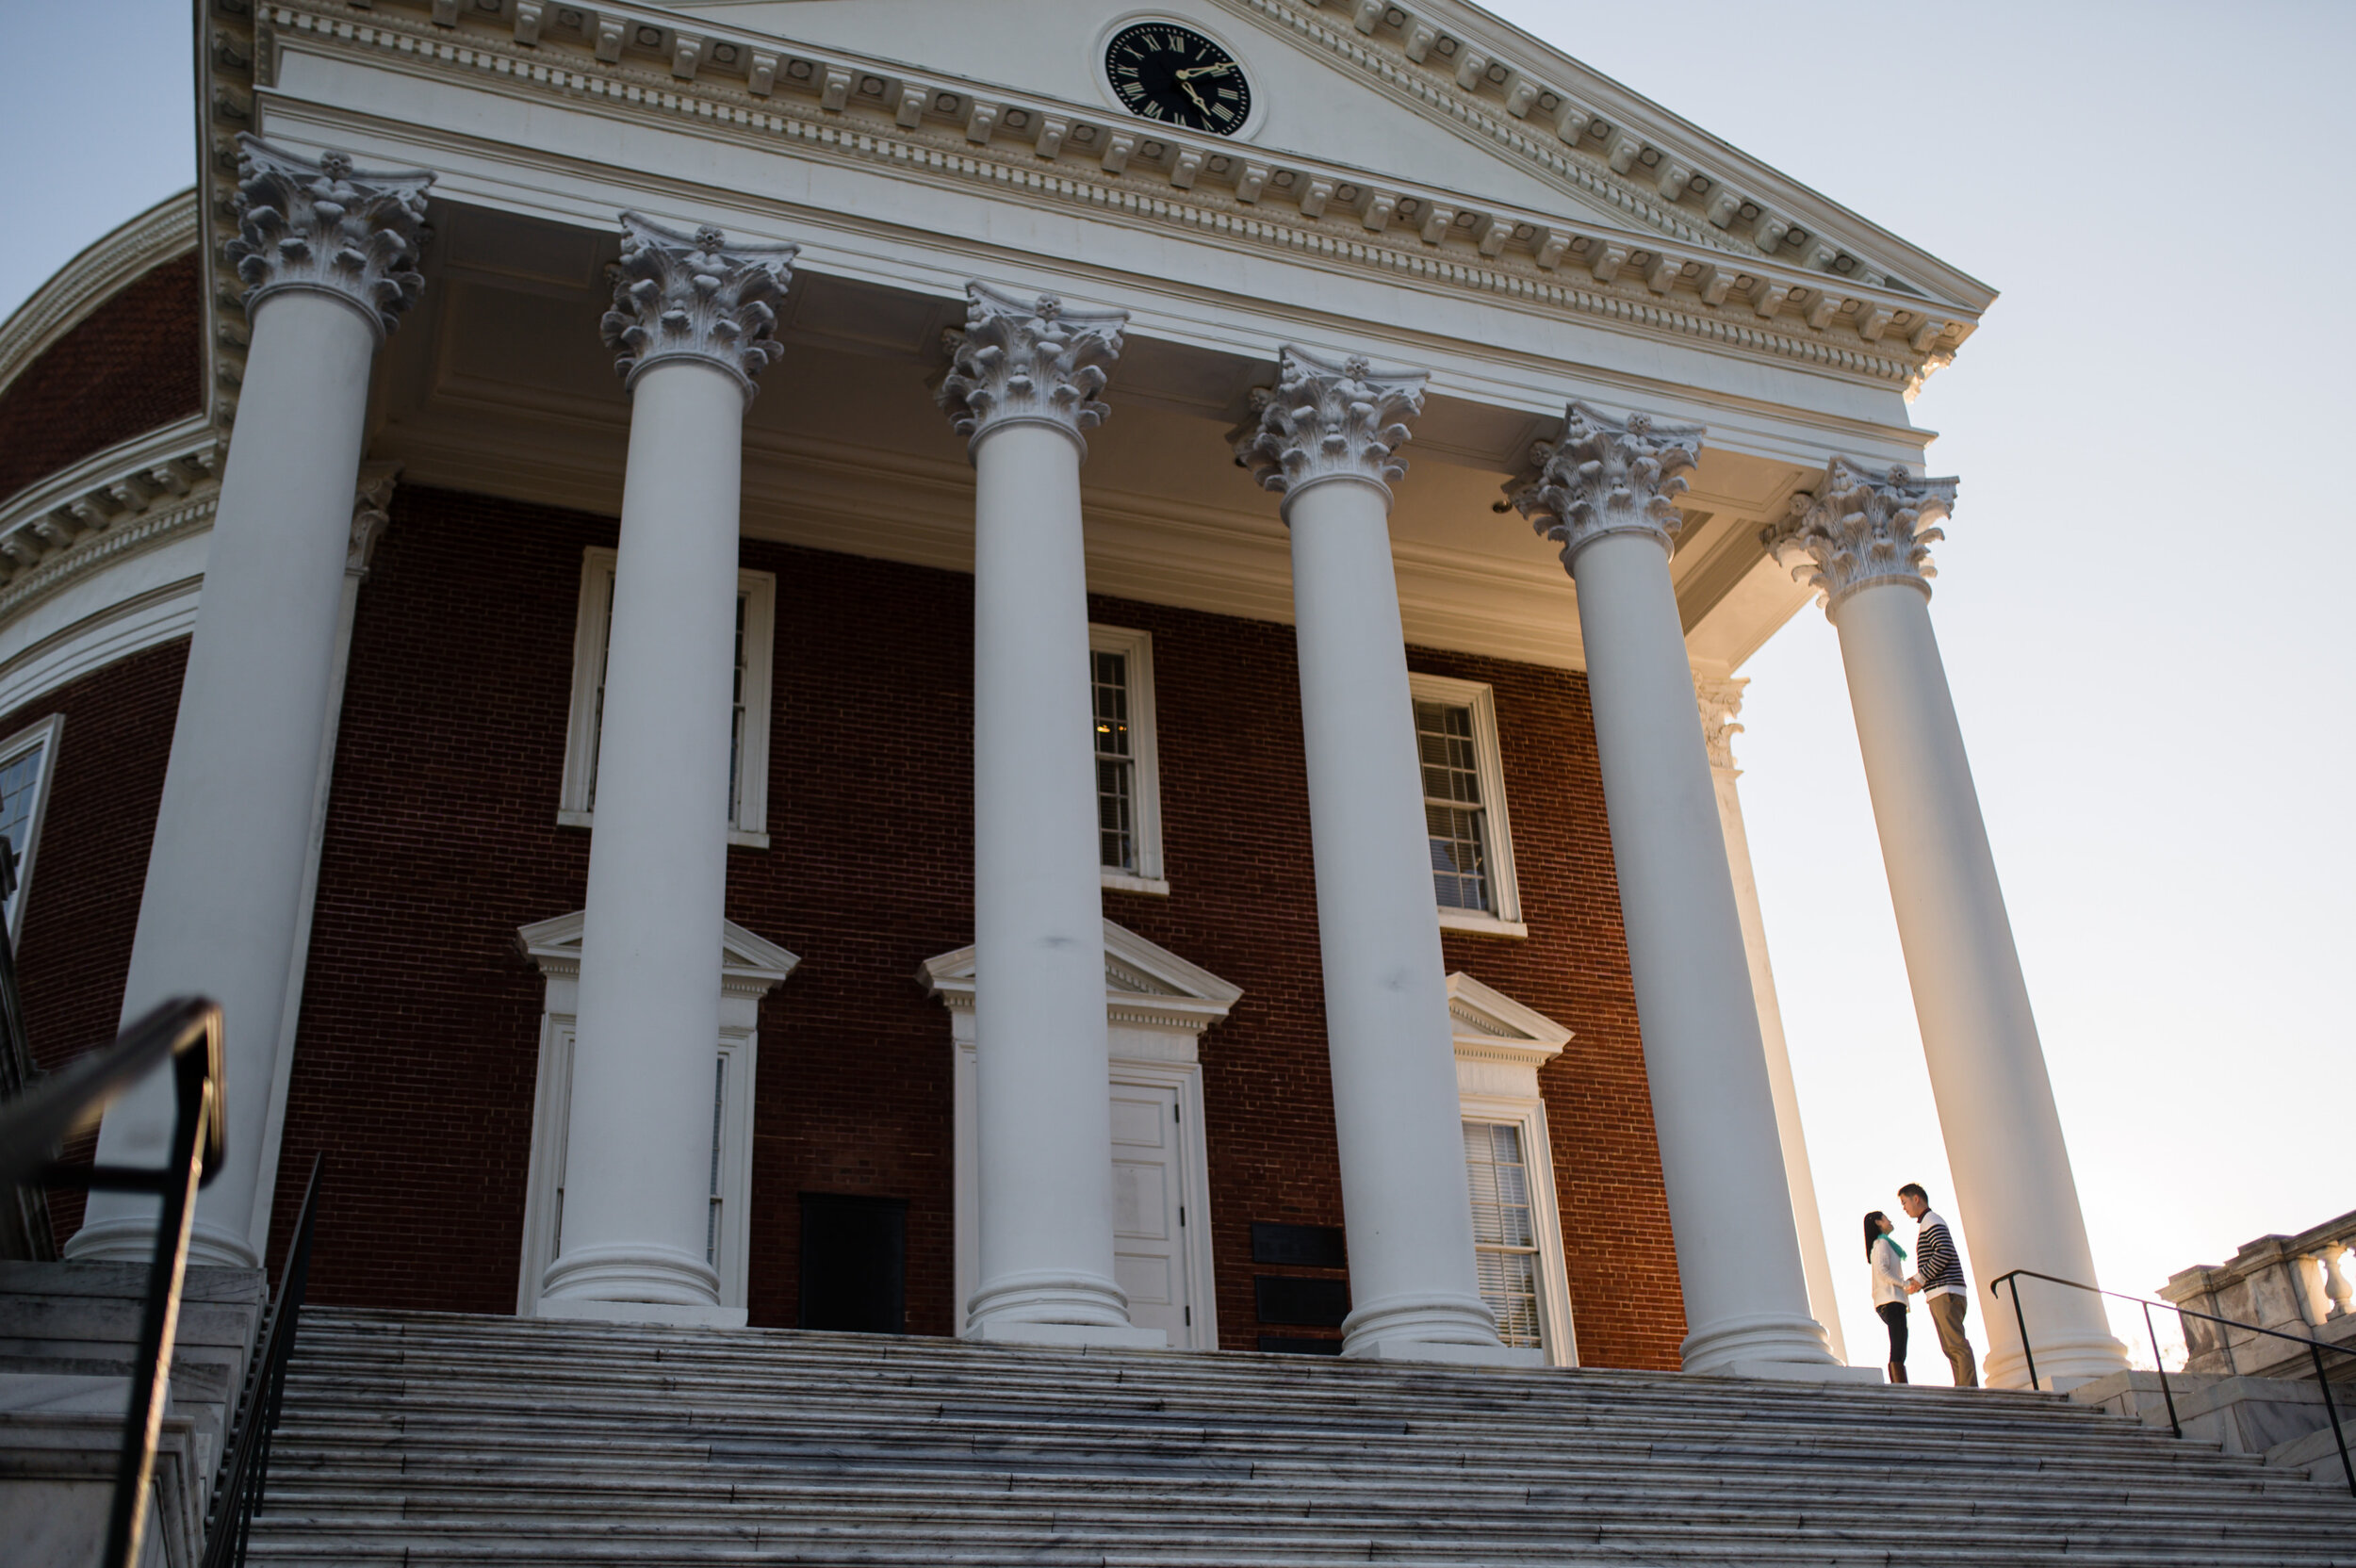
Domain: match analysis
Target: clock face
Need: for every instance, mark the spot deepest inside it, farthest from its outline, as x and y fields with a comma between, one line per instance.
x=1169, y=73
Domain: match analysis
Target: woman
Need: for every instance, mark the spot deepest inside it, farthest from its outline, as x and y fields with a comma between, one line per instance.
x=1888, y=1259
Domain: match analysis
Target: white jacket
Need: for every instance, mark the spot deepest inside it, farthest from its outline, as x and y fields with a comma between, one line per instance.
x=1890, y=1276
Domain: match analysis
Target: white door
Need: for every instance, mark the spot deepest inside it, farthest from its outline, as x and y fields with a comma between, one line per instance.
x=1149, y=1209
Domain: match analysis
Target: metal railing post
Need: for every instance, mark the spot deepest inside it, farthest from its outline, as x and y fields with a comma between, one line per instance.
x=2332, y=1409
x=2175, y=1425
x=2022, y=1320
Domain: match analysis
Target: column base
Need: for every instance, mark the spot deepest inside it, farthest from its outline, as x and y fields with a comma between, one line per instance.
x=579, y=1309
x=2063, y=1363
x=134, y=1241
x=1011, y=1305
x=1434, y=1327
x=630, y=1274
x=1737, y=1346
x=1003, y=1330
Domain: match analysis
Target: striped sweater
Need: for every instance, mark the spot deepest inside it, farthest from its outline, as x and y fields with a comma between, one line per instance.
x=1935, y=1260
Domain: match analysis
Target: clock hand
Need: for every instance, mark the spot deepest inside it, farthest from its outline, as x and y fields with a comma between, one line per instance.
x=1204, y=71
x=1195, y=96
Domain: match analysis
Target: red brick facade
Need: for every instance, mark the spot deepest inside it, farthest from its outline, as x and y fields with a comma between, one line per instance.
x=107, y=778
x=135, y=362
x=420, y=1022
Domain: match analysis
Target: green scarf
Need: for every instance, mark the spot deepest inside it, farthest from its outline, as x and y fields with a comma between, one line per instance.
x=1892, y=1237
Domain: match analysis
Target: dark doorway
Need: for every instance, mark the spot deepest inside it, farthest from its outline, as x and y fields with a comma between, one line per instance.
x=855, y=1263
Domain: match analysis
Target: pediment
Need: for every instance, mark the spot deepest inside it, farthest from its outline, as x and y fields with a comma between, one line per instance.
x=748, y=963
x=1140, y=977
x=1492, y=1026
x=1447, y=103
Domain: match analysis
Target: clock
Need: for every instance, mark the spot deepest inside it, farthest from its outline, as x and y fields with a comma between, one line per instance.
x=1172, y=74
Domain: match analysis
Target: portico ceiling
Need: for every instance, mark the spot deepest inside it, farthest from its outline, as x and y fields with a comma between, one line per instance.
x=498, y=383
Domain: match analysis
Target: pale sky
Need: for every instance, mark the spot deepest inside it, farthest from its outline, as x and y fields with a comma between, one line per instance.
x=2134, y=604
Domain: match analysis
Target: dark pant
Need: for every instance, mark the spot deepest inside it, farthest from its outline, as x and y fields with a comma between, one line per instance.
x=1894, y=1313
x=1947, y=1317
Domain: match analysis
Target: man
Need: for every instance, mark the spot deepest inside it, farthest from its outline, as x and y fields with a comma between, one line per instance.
x=1940, y=1279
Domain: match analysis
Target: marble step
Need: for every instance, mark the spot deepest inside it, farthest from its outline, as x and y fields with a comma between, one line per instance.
x=425, y=1440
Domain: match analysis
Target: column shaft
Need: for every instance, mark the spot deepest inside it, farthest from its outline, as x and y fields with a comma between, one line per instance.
x=1042, y=1060
x=1413, y=1284
x=2015, y=1194
x=1806, y=1216
x=639, y=1146
x=225, y=876
x=1738, y=1249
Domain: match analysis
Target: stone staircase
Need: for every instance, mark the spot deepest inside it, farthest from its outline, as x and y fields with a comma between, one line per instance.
x=424, y=1439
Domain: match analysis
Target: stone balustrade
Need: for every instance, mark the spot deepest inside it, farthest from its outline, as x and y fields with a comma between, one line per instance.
x=2302, y=1284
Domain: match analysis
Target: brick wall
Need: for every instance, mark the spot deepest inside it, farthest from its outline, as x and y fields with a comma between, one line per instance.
x=420, y=1029
x=134, y=363
x=74, y=946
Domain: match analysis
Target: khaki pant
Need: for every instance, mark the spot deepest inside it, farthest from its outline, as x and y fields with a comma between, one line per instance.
x=1947, y=1317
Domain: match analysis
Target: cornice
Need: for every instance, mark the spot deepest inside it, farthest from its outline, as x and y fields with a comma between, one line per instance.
x=130, y=252
x=930, y=127
x=1504, y=90
x=133, y=496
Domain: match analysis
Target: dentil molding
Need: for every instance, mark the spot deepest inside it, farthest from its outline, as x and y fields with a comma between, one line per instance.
x=1034, y=360
x=1328, y=421
x=1608, y=476
x=1861, y=528
x=327, y=228
x=694, y=296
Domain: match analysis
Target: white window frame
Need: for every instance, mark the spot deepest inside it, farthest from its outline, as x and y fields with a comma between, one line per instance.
x=591, y=632
x=1138, y=648
x=1500, y=1045
x=1507, y=920
x=748, y=970
x=42, y=736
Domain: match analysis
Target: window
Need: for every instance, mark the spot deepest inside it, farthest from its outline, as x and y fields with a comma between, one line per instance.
x=26, y=764
x=1502, y=1046
x=1128, y=785
x=1463, y=806
x=748, y=736
x=1505, y=1232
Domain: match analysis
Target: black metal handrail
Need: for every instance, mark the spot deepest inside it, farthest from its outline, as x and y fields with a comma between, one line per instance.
x=2316, y=1349
x=187, y=1033
x=245, y=1466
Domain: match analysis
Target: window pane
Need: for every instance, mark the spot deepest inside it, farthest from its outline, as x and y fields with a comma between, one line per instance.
x=736, y=714
x=596, y=735
x=1116, y=768
x=20, y=782
x=1453, y=811
x=1505, y=1232
x=719, y=1121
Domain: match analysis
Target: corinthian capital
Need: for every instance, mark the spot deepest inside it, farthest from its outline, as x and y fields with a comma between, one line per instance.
x=1720, y=699
x=1608, y=476
x=326, y=227
x=1861, y=528
x=1034, y=360
x=694, y=296
x=1328, y=421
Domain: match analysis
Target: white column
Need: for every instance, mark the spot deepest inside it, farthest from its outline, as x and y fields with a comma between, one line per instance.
x=1024, y=391
x=328, y=259
x=1607, y=494
x=693, y=323
x=1326, y=439
x=1720, y=699
x=1865, y=542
